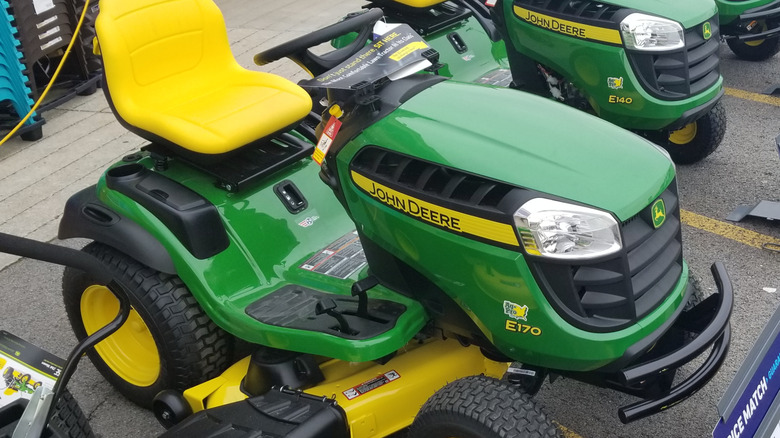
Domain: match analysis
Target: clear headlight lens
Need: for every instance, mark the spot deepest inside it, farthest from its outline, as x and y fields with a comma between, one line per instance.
x=646, y=32
x=566, y=231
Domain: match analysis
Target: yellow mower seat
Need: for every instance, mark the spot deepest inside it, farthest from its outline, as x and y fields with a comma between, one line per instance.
x=171, y=75
x=420, y=3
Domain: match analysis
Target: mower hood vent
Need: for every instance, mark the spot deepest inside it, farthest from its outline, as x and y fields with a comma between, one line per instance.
x=435, y=183
x=574, y=9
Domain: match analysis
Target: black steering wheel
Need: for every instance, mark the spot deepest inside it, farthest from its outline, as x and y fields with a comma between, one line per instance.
x=298, y=49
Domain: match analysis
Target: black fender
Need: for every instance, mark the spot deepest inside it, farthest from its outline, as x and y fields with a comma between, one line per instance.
x=87, y=217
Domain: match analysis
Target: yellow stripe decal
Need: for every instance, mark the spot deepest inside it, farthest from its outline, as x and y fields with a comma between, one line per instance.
x=435, y=214
x=723, y=229
x=571, y=28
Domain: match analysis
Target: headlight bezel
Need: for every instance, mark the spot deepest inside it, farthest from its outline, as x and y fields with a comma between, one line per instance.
x=532, y=239
x=640, y=21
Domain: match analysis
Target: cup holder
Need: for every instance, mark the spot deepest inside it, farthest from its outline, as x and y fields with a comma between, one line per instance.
x=126, y=171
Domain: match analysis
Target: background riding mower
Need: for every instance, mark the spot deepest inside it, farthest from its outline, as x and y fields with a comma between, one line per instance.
x=751, y=27
x=642, y=65
x=466, y=232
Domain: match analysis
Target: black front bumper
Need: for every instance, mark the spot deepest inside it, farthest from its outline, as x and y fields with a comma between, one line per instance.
x=709, y=320
x=647, y=368
x=741, y=27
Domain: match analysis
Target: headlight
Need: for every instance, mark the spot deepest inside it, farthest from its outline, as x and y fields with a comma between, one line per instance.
x=566, y=231
x=646, y=32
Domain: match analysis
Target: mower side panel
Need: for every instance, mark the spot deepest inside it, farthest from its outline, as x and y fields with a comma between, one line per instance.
x=267, y=250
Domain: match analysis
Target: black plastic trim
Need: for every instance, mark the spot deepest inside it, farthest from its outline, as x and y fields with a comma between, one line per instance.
x=278, y=413
x=194, y=220
x=696, y=113
x=291, y=196
x=87, y=217
x=715, y=335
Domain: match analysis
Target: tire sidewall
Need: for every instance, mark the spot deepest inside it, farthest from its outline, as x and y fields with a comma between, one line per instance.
x=75, y=283
x=709, y=134
x=767, y=49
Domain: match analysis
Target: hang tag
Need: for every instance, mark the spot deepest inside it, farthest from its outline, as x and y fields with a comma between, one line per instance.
x=490, y=3
x=326, y=139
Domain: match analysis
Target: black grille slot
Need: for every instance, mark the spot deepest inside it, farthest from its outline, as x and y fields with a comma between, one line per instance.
x=614, y=293
x=681, y=73
x=587, y=9
x=430, y=180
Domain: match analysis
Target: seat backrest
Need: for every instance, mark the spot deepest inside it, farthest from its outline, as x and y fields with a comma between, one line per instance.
x=150, y=47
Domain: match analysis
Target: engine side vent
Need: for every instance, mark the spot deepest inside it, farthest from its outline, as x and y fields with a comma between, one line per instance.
x=573, y=9
x=431, y=181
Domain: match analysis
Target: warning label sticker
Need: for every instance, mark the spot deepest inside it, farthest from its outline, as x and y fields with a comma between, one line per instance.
x=340, y=259
x=371, y=385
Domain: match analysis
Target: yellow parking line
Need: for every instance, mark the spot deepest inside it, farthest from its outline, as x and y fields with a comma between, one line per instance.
x=723, y=229
x=565, y=431
x=755, y=97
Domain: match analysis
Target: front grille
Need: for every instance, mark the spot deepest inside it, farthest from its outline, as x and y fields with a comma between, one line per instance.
x=573, y=9
x=612, y=294
x=681, y=73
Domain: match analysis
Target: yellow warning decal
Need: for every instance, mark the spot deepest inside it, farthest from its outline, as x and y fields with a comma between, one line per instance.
x=435, y=214
x=570, y=28
x=408, y=49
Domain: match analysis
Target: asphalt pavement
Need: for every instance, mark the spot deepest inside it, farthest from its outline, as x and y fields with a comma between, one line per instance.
x=744, y=170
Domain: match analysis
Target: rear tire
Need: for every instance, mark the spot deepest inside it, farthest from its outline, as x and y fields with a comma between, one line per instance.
x=168, y=342
x=758, y=50
x=696, y=140
x=481, y=407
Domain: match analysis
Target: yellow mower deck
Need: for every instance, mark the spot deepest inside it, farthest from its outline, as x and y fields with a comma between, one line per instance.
x=400, y=387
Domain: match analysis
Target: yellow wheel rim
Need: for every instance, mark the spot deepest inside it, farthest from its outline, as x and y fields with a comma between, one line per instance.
x=131, y=351
x=684, y=135
x=757, y=43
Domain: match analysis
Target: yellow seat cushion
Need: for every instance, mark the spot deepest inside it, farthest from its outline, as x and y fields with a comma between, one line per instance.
x=420, y=3
x=170, y=72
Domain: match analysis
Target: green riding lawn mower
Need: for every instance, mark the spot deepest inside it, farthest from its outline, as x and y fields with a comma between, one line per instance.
x=751, y=27
x=422, y=254
x=648, y=66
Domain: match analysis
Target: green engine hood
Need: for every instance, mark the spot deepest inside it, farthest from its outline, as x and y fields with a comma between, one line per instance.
x=688, y=12
x=527, y=141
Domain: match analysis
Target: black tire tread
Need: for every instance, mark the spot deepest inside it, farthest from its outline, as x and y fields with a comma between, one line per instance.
x=494, y=406
x=710, y=130
x=69, y=418
x=767, y=49
x=192, y=348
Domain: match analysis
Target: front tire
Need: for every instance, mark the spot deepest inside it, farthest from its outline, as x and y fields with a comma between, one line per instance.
x=758, y=50
x=481, y=407
x=69, y=419
x=695, y=141
x=168, y=341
